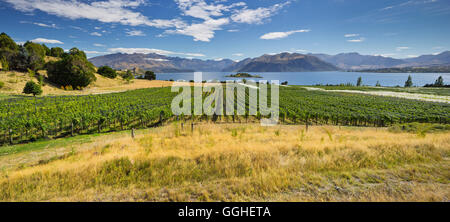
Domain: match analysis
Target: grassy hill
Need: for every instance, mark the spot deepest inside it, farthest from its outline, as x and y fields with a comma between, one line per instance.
x=233, y=162
x=14, y=82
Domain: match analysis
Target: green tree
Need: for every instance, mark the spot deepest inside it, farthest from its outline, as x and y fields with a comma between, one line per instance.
x=32, y=88
x=409, y=82
x=7, y=42
x=20, y=60
x=439, y=82
x=36, y=55
x=150, y=75
x=128, y=75
x=359, y=82
x=378, y=84
x=76, y=52
x=57, y=52
x=73, y=70
x=47, y=50
x=8, y=49
x=107, y=71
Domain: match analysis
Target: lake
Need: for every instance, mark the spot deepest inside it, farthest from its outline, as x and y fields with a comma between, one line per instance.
x=313, y=78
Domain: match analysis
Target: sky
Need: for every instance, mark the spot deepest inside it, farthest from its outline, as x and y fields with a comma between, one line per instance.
x=218, y=29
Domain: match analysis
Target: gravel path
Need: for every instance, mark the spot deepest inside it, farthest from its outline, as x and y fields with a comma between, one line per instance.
x=416, y=96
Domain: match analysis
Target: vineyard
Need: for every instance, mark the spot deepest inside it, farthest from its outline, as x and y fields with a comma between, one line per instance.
x=26, y=119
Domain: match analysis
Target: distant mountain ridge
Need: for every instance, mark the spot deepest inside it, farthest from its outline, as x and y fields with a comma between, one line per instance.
x=356, y=61
x=283, y=62
x=159, y=63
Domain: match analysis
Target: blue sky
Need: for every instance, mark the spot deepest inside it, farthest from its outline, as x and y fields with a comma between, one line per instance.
x=232, y=29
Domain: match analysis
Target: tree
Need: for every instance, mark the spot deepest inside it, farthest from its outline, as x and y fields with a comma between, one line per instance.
x=439, y=82
x=409, y=82
x=8, y=48
x=32, y=88
x=128, y=76
x=57, y=52
x=36, y=55
x=359, y=82
x=20, y=60
x=73, y=70
x=107, y=71
x=378, y=84
x=48, y=52
x=6, y=42
x=150, y=75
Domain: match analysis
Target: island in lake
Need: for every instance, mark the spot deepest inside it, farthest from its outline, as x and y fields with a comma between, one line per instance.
x=243, y=75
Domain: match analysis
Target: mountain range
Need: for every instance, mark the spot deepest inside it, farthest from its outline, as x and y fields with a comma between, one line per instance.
x=159, y=63
x=283, y=62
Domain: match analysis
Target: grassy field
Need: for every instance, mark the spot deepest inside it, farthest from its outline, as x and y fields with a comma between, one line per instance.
x=235, y=162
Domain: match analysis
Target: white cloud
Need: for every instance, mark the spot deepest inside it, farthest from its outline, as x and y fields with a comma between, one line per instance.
x=401, y=48
x=356, y=40
x=233, y=30
x=213, y=15
x=157, y=60
x=351, y=35
x=93, y=52
x=148, y=51
x=218, y=59
x=412, y=56
x=40, y=24
x=238, y=54
x=135, y=33
x=96, y=34
x=48, y=41
x=99, y=45
x=301, y=50
x=256, y=16
x=200, y=9
x=386, y=55
x=108, y=11
x=280, y=35
x=201, y=31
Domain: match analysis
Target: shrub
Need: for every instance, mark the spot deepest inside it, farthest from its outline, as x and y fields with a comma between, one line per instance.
x=2, y=84
x=73, y=70
x=107, y=71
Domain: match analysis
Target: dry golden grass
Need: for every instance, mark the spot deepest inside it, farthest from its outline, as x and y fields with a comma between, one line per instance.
x=15, y=82
x=227, y=162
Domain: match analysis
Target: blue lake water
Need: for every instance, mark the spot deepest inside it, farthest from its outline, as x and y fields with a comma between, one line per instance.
x=313, y=78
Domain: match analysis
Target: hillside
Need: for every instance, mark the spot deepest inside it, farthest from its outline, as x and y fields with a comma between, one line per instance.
x=159, y=63
x=284, y=62
x=14, y=82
